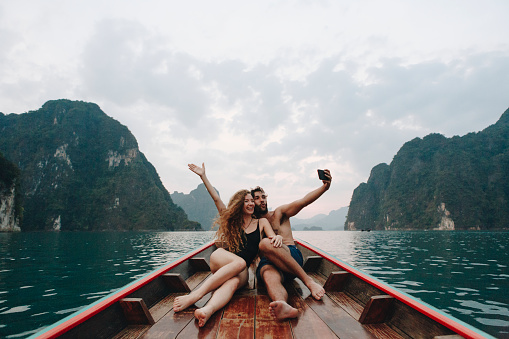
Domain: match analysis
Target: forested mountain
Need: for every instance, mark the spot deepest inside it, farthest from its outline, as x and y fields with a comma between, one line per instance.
x=82, y=170
x=198, y=205
x=439, y=183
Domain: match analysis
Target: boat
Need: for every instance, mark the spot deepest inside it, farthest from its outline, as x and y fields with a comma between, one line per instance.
x=356, y=305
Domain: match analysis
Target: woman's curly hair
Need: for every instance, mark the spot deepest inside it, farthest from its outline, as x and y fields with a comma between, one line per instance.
x=230, y=222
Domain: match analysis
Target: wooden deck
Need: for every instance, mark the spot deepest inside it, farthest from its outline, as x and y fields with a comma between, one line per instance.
x=247, y=316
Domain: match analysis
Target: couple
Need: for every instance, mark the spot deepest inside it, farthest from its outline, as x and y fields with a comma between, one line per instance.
x=241, y=226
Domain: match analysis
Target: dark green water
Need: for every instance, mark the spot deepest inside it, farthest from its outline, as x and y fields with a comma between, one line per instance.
x=44, y=277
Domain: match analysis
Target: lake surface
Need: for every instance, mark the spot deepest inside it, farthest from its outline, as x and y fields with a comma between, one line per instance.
x=44, y=277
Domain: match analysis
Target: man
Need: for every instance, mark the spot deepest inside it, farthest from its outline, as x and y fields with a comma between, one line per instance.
x=283, y=264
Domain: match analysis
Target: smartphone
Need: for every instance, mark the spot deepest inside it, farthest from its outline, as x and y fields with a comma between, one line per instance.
x=321, y=175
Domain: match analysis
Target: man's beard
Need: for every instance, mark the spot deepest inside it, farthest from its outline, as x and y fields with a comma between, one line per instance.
x=259, y=211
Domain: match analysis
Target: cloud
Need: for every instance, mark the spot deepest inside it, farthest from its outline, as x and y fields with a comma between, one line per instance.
x=264, y=93
x=125, y=63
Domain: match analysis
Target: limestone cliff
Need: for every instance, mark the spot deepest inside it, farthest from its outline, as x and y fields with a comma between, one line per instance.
x=10, y=207
x=83, y=170
x=441, y=183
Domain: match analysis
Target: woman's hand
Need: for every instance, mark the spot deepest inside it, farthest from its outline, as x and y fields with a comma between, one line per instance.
x=197, y=169
x=276, y=241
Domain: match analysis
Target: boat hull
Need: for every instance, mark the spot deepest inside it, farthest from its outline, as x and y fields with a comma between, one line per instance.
x=356, y=305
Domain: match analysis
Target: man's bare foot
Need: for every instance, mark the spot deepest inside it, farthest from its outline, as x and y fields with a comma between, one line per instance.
x=202, y=316
x=281, y=310
x=316, y=289
x=183, y=302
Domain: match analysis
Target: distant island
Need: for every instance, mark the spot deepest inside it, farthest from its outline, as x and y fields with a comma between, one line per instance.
x=439, y=183
x=69, y=166
x=312, y=228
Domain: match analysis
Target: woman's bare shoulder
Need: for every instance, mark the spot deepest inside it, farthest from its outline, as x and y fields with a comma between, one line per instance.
x=264, y=221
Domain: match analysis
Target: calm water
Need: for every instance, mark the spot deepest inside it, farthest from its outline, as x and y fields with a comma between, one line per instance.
x=44, y=277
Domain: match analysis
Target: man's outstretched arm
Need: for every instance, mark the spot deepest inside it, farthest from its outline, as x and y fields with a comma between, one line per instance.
x=291, y=209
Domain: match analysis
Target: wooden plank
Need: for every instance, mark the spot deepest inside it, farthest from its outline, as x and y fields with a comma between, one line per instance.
x=236, y=328
x=350, y=305
x=136, y=312
x=336, y=281
x=383, y=331
x=199, y=264
x=319, y=278
x=266, y=326
x=312, y=263
x=164, y=306
x=209, y=331
x=308, y=325
x=175, y=282
x=377, y=309
x=262, y=307
x=171, y=324
x=152, y=292
x=238, y=318
x=132, y=331
x=360, y=290
x=196, y=279
x=339, y=321
x=240, y=307
x=451, y=336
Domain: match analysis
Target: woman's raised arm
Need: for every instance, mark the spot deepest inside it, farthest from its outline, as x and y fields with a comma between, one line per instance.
x=200, y=171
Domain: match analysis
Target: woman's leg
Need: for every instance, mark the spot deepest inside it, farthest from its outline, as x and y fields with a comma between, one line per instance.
x=224, y=265
x=221, y=297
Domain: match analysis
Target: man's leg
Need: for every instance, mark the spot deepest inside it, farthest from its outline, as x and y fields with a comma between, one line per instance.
x=278, y=308
x=274, y=283
x=282, y=259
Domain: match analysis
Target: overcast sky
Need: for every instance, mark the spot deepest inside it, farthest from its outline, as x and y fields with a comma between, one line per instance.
x=264, y=92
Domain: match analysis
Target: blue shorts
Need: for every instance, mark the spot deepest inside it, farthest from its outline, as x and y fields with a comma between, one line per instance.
x=296, y=254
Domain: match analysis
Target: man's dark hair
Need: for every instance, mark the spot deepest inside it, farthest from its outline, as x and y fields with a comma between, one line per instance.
x=256, y=189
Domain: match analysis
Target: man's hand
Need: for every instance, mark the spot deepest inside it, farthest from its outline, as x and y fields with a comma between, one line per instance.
x=329, y=177
x=276, y=241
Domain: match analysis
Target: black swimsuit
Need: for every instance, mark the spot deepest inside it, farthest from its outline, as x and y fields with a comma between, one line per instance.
x=249, y=246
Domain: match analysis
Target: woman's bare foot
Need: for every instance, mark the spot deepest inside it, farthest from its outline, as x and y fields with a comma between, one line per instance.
x=183, y=302
x=202, y=315
x=281, y=310
x=316, y=289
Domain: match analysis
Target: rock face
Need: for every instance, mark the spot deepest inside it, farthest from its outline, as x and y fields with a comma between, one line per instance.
x=82, y=170
x=439, y=183
x=10, y=204
x=8, y=220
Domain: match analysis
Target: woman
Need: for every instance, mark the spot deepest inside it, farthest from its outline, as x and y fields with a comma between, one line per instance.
x=241, y=234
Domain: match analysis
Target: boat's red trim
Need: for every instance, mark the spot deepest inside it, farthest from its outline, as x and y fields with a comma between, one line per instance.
x=415, y=304
x=101, y=305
